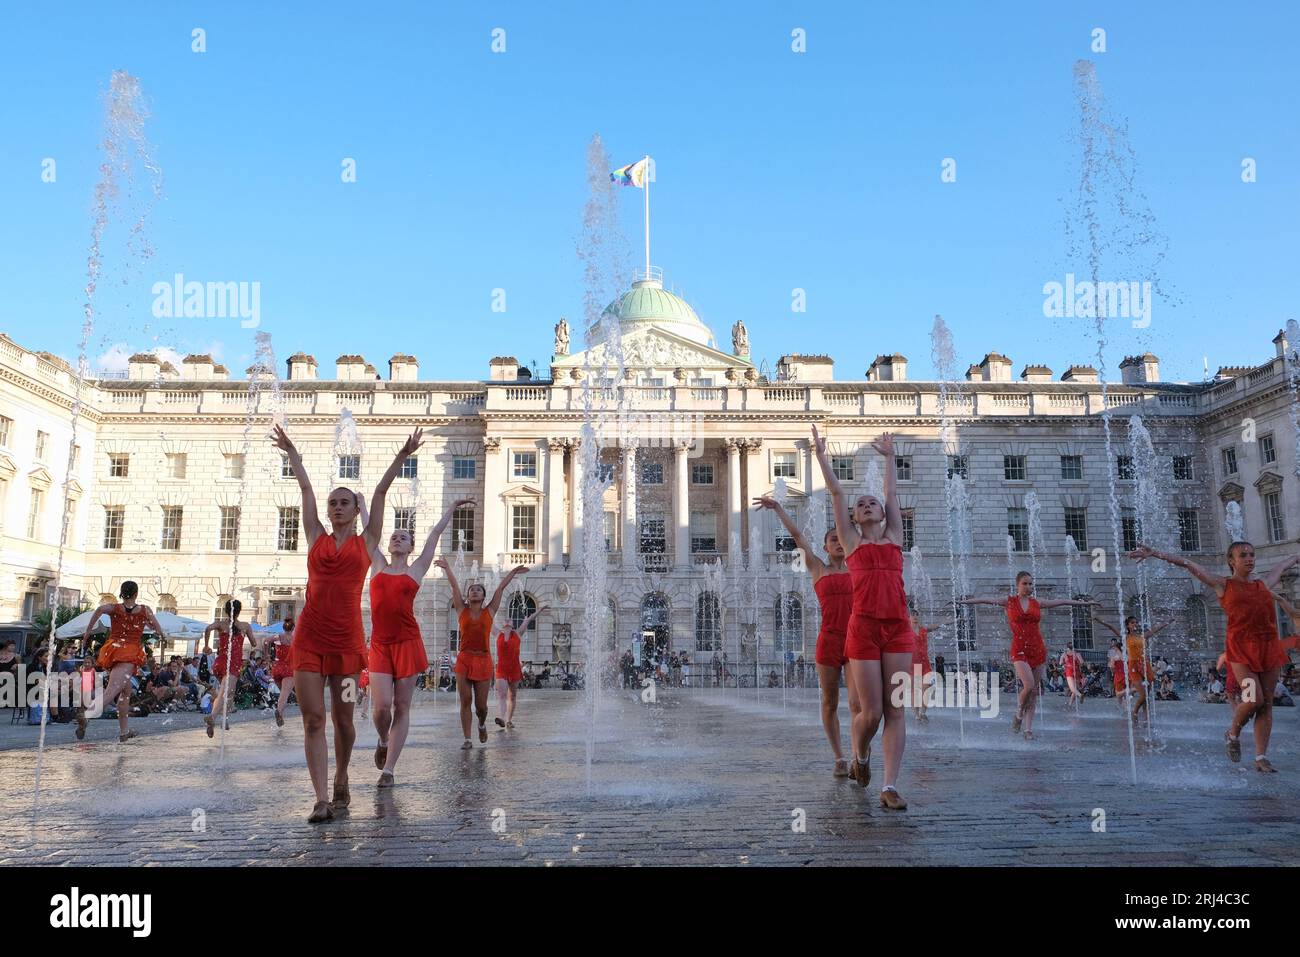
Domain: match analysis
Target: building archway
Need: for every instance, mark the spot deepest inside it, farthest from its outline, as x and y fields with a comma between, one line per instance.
x=656, y=626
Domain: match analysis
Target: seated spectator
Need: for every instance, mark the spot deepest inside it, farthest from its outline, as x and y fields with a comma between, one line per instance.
x=1282, y=697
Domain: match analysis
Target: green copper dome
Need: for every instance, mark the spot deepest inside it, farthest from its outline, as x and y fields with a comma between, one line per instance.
x=648, y=302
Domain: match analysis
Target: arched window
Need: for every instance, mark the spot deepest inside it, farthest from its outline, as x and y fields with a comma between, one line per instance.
x=219, y=610
x=166, y=603
x=521, y=606
x=789, y=624
x=1197, y=622
x=708, y=622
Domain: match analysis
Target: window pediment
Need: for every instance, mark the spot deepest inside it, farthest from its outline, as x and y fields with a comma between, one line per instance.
x=1231, y=492
x=1268, y=483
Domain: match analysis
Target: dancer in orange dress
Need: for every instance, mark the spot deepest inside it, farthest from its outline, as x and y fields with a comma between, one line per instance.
x=397, y=655
x=1254, y=650
x=282, y=669
x=833, y=586
x=878, y=641
x=329, y=645
x=1028, y=650
x=509, y=672
x=231, y=634
x=474, y=660
x=121, y=653
x=1139, y=675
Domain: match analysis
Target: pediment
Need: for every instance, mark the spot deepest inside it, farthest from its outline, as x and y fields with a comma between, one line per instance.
x=653, y=348
x=1268, y=482
x=522, y=491
x=7, y=467
x=40, y=477
x=1231, y=492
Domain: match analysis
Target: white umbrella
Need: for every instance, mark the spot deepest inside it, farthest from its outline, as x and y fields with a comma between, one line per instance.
x=76, y=627
x=174, y=625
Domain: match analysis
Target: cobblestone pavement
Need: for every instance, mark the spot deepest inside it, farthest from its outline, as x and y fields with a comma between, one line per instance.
x=712, y=777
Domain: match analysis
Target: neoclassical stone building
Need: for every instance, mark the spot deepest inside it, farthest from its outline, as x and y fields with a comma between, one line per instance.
x=174, y=485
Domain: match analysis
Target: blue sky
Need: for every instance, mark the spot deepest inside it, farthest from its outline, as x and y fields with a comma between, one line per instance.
x=776, y=171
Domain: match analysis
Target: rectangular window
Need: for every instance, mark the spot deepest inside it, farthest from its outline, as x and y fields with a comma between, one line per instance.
x=1229, y=456
x=1189, y=530
x=1183, y=468
x=171, y=528
x=784, y=465
x=286, y=469
x=1124, y=468
x=1018, y=528
x=34, y=512
x=114, y=524
x=286, y=539
x=605, y=472
x=966, y=636
x=903, y=464
x=76, y=457
x=702, y=473
x=652, y=473
x=404, y=518
x=1267, y=451
x=842, y=467
x=1130, y=529
x=909, y=529
x=523, y=527
x=411, y=467
x=653, y=538
x=42, y=445
x=611, y=530
x=704, y=532
x=228, y=536
x=1081, y=626
x=350, y=467
x=524, y=466
x=1013, y=468
x=233, y=465
x=1273, y=515
x=462, y=528
x=702, y=383
x=6, y=424
x=463, y=469
x=1072, y=468
x=1076, y=526
x=119, y=465
x=958, y=465
x=176, y=462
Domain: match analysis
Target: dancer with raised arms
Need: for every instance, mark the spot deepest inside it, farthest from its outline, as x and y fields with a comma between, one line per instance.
x=282, y=668
x=879, y=640
x=231, y=633
x=1028, y=650
x=329, y=646
x=122, y=652
x=1254, y=650
x=397, y=655
x=833, y=586
x=509, y=672
x=1073, y=666
x=474, y=660
x=1140, y=674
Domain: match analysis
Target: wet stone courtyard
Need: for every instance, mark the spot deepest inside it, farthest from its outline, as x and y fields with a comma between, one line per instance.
x=697, y=777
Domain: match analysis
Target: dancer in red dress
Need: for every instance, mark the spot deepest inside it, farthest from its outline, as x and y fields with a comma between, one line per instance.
x=509, y=672
x=834, y=588
x=230, y=660
x=282, y=669
x=397, y=655
x=923, y=674
x=329, y=646
x=1139, y=675
x=879, y=639
x=121, y=653
x=474, y=660
x=1254, y=649
x=1072, y=664
x=1028, y=651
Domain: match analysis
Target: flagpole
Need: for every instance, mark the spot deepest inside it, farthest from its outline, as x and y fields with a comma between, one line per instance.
x=647, y=216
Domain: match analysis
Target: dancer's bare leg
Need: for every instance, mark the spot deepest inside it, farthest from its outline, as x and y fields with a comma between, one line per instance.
x=311, y=702
x=403, y=691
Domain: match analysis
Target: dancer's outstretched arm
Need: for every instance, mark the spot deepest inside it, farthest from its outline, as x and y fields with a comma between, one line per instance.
x=375, y=527
x=378, y=561
x=1107, y=625
x=816, y=567
x=1217, y=582
x=457, y=601
x=850, y=538
x=1157, y=629
x=420, y=567
x=97, y=614
x=1274, y=574
x=1061, y=602
x=893, y=514
x=982, y=601
x=523, y=625
x=495, y=603
x=310, y=520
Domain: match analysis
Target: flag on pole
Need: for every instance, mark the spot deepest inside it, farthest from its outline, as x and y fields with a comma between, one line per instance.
x=633, y=174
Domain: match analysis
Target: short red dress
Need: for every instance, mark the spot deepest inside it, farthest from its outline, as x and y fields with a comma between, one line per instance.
x=1071, y=664
x=396, y=646
x=835, y=594
x=474, y=660
x=1026, y=640
x=879, y=623
x=330, y=637
x=125, y=644
x=1252, y=626
x=282, y=656
x=236, y=654
x=508, y=666
x=921, y=654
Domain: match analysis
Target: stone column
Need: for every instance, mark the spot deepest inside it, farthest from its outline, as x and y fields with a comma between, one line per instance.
x=631, y=534
x=575, y=502
x=681, y=504
x=494, y=483
x=756, y=482
x=555, y=502
x=735, y=503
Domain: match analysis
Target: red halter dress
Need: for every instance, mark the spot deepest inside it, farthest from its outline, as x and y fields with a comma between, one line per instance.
x=396, y=647
x=1026, y=640
x=879, y=623
x=835, y=594
x=1252, y=626
x=330, y=638
x=125, y=644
